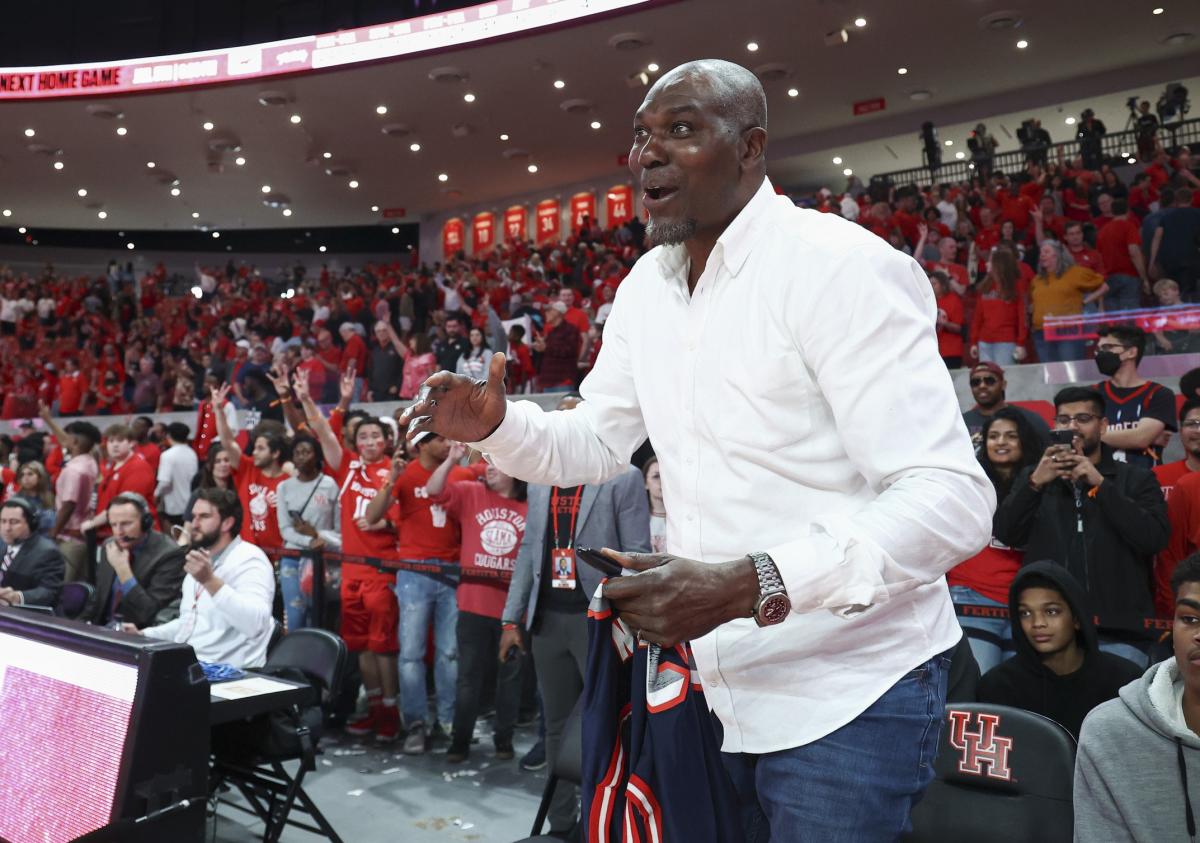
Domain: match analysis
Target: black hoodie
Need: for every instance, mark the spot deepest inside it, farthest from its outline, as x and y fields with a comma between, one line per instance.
x=1024, y=682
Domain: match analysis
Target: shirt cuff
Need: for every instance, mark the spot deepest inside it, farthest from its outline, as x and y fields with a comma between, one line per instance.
x=509, y=436
x=127, y=586
x=831, y=569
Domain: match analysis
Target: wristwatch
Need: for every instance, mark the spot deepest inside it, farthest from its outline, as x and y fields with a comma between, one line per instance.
x=773, y=604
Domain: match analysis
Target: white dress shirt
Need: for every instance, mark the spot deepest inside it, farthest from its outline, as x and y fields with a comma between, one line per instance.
x=798, y=406
x=233, y=626
x=176, y=467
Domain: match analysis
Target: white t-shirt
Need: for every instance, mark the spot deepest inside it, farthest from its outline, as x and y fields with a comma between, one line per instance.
x=45, y=307
x=176, y=468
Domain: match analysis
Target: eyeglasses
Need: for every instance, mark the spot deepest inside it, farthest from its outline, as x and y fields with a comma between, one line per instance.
x=1078, y=418
x=981, y=381
x=1192, y=424
x=1111, y=346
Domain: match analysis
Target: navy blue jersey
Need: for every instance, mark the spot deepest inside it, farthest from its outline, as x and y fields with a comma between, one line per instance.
x=652, y=770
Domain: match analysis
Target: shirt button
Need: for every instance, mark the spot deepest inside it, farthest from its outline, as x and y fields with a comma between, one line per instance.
x=714, y=682
x=691, y=517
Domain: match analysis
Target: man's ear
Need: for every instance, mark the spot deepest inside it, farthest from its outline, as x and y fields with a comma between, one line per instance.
x=753, y=147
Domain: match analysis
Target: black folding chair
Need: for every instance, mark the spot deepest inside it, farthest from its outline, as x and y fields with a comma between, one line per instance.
x=568, y=767
x=271, y=791
x=74, y=598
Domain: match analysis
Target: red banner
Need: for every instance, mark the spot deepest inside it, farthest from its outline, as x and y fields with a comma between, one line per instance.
x=620, y=204
x=582, y=205
x=869, y=106
x=483, y=232
x=516, y=221
x=548, y=220
x=452, y=237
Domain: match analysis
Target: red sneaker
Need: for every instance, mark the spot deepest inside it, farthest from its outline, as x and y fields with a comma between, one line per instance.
x=387, y=728
x=364, y=724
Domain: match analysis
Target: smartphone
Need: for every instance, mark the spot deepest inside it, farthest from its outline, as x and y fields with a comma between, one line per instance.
x=599, y=561
x=1062, y=437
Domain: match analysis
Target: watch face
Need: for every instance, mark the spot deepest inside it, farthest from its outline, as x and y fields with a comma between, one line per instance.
x=774, y=609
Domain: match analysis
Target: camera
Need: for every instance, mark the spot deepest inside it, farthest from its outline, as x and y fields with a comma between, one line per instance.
x=1132, y=104
x=1173, y=104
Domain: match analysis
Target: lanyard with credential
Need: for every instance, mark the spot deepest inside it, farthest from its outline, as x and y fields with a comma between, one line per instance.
x=574, y=515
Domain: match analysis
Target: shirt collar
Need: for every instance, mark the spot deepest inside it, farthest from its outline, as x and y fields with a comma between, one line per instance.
x=736, y=241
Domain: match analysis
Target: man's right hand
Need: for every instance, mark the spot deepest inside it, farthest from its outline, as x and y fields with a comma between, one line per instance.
x=1049, y=468
x=459, y=408
x=510, y=638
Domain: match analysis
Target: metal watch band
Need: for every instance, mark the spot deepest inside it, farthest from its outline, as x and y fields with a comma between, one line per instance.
x=769, y=580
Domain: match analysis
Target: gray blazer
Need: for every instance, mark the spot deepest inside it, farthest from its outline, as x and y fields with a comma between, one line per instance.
x=615, y=514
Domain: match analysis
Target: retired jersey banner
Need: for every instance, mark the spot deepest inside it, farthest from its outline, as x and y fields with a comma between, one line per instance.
x=547, y=220
x=582, y=205
x=483, y=232
x=516, y=220
x=452, y=237
x=620, y=204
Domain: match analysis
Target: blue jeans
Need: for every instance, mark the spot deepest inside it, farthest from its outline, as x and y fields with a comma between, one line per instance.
x=1124, y=293
x=990, y=638
x=855, y=785
x=1057, y=351
x=997, y=352
x=423, y=599
x=296, y=606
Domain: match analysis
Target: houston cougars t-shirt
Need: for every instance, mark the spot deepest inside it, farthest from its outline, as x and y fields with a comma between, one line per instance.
x=257, y=491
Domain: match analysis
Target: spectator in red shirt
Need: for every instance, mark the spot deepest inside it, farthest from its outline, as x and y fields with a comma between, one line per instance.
x=1000, y=327
x=574, y=315
x=257, y=479
x=518, y=361
x=1104, y=204
x=72, y=387
x=1120, y=245
x=949, y=320
x=1170, y=473
x=1081, y=253
x=151, y=453
x=126, y=471
x=947, y=247
x=560, y=346
x=354, y=355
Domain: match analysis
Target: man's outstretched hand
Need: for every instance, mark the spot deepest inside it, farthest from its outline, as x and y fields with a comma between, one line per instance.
x=672, y=599
x=459, y=408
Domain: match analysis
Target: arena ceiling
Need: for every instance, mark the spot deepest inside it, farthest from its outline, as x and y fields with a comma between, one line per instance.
x=344, y=163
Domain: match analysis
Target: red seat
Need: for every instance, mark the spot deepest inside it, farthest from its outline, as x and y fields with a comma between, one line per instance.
x=1043, y=408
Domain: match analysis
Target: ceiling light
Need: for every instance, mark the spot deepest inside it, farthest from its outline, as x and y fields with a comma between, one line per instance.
x=395, y=229
x=1022, y=44
x=208, y=126
x=381, y=109
x=287, y=212
x=295, y=118
x=1070, y=121
x=1157, y=11
x=837, y=159
x=320, y=248
x=847, y=172
x=266, y=188
x=504, y=136
x=353, y=183
x=239, y=160
x=7, y=212
x=652, y=67
x=443, y=177
x=22, y=230
x=902, y=70
x=415, y=147
x=82, y=192
x=752, y=46
x=1124, y=154
x=102, y=214
x=596, y=124
x=195, y=215
x=58, y=165
x=122, y=131
x=960, y=155
x=468, y=98
x=374, y=209
x=150, y=164
x=533, y=168
x=860, y=22
x=30, y=133
x=1132, y=160
x=174, y=191
x=949, y=143
x=129, y=246
x=560, y=84
x=216, y=235
x=793, y=92
x=326, y=154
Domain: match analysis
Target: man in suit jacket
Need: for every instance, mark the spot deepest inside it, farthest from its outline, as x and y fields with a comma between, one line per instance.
x=553, y=607
x=31, y=566
x=141, y=570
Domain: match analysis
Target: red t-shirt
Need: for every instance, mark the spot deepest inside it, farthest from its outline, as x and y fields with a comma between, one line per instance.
x=1113, y=243
x=355, y=350
x=492, y=529
x=950, y=343
x=71, y=389
x=133, y=475
x=1169, y=474
x=989, y=572
x=997, y=320
x=260, y=522
x=151, y=453
x=358, y=484
x=955, y=271
x=1183, y=510
x=1089, y=258
x=426, y=529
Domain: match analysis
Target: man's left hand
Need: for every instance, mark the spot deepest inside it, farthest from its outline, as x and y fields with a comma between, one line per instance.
x=672, y=599
x=10, y=597
x=1084, y=472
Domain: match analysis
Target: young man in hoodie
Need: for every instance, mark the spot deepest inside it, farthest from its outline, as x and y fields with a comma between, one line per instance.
x=1059, y=670
x=1137, y=773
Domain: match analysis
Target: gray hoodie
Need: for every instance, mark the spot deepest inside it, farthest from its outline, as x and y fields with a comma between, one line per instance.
x=1137, y=774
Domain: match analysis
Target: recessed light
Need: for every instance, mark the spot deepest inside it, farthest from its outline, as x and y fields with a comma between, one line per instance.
x=793, y=92
x=326, y=154
x=208, y=126
x=381, y=109
x=652, y=67
x=30, y=133
x=82, y=192
x=1022, y=44
x=374, y=209
x=240, y=161
x=902, y=70
x=468, y=98
x=837, y=159
x=1132, y=160
x=150, y=164
x=1124, y=154
x=102, y=214
x=295, y=118
x=122, y=131
x=129, y=246
x=216, y=235
x=596, y=124
x=847, y=172
x=353, y=183
x=504, y=136
x=533, y=168
x=320, y=248
x=560, y=84
x=752, y=46
x=443, y=177
x=266, y=188
x=175, y=191
x=395, y=229
x=195, y=215
x=949, y=143
x=22, y=230
x=58, y=165
x=1070, y=121
x=860, y=22
x=960, y=155
x=287, y=212
x=415, y=147
x=7, y=212
x=1157, y=11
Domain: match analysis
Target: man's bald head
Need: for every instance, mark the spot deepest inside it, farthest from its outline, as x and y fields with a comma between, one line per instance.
x=734, y=92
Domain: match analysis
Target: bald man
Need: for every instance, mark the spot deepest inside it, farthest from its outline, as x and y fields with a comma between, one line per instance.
x=819, y=480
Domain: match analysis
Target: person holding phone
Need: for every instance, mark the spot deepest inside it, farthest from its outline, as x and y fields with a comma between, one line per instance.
x=1101, y=519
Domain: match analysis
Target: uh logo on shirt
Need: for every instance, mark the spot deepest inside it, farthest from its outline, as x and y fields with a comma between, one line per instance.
x=436, y=512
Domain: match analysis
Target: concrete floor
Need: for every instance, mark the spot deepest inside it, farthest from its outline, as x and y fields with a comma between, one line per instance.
x=371, y=794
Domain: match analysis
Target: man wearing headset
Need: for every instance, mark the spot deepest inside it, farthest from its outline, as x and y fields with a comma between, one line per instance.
x=31, y=566
x=141, y=570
